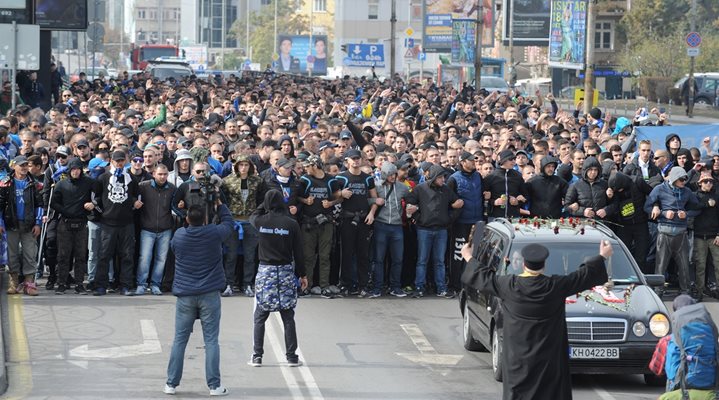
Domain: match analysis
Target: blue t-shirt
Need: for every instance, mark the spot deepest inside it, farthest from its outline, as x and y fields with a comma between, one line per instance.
x=20, y=198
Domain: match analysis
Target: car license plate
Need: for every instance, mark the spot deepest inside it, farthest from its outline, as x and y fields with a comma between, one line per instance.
x=594, y=352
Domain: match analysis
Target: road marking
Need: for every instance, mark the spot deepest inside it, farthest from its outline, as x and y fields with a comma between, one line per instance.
x=427, y=354
x=150, y=345
x=603, y=394
x=309, y=380
x=18, y=365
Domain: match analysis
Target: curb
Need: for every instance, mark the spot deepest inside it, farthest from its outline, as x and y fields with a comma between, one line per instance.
x=3, y=325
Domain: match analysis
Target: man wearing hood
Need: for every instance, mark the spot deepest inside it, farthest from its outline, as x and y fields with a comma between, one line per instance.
x=71, y=199
x=670, y=203
x=706, y=233
x=590, y=197
x=286, y=147
x=673, y=143
x=631, y=221
x=507, y=192
x=281, y=263
x=182, y=168
x=433, y=201
x=388, y=231
x=243, y=191
x=467, y=184
x=546, y=190
x=53, y=174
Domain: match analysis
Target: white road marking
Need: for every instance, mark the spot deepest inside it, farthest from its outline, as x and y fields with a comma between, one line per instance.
x=150, y=345
x=603, y=394
x=277, y=347
x=427, y=354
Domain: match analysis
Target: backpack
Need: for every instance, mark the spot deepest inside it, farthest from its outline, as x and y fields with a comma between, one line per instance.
x=695, y=334
x=656, y=365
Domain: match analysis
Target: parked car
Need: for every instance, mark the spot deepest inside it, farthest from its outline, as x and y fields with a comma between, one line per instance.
x=492, y=83
x=165, y=69
x=605, y=337
x=707, y=82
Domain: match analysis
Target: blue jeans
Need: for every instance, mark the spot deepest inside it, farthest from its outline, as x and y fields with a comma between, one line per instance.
x=208, y=307
x=161, y=243
x=392, y=237
x=435, y=242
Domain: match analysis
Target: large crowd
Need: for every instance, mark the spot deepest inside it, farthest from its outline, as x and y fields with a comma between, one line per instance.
x=385, y=177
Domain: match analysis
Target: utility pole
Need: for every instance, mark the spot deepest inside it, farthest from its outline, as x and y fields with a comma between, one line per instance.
x=589, y=68
x=223, y=34
x=247, y=31
x=692, y=28
x=512, y=70
x=393, y=39
x=275, y=44
x=122, y=36
x=161, y=23
x=309, y=48
x=478, y=48
x=95, y=37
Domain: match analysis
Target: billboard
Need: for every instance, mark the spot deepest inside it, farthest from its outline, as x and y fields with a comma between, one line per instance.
x=463, y=41
x=61, y=14
x=531, y=22
x=196, y=56
x=294, y=52
x=438, y=16
x=364, y=55
x=567, y=41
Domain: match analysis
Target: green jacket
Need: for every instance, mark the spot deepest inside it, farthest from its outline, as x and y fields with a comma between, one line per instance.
x=157, y=121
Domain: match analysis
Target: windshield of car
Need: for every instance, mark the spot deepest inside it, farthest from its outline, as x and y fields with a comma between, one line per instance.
x=565, y=258
x=493, y=82
x=164, y=73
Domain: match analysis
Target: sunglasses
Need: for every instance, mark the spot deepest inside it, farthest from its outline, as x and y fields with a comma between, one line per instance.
x=657, y=158
x=683, y=179
x=137, y=159
x=161, y=143
x=200, y=171
x=61, y=156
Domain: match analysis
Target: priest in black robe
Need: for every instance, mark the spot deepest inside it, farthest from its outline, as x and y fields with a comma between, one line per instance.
x=535, y=350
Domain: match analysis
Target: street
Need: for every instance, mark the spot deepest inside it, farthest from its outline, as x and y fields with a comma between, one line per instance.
x=83, y=347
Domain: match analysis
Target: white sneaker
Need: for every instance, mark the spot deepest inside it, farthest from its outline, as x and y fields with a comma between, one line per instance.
x=219, y=391
x=316, y=291
x=228, y=292
x=169, y=389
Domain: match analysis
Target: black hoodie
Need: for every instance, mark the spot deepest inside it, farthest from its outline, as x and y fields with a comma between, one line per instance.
x=70, y=196
x=546, y=192
x=629, y=189
x=590, y=194
x=279, y=235
x=434, y=202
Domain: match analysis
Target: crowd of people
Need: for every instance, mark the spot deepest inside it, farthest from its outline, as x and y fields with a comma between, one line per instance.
x=384, y=177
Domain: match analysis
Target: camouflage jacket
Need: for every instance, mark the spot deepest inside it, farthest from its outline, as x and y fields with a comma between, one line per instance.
x=232, y=188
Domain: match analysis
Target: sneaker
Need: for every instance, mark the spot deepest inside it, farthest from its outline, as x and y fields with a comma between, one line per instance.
x=333, y=289
x=256, y=361
x=363, y=294
x=375, y=294
x=90, y=286
x=141, y=289
x=99, y=292
x=126, y=292
x=155, y=290
x=80, y=289
x=316, y=291
x=397, y=293
x=446, y=294
x=219, y=391
x=249, y=292
x=327, y=294
x=112, y=288
x=50, y=285
x=294, y=362
x=417, y=294
x=304, y=293
x=169, y=389
x=354, y=290
x=60, y=289
x=228, y=292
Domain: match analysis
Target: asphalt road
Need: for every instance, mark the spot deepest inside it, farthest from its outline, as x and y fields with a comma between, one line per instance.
x=84, y=347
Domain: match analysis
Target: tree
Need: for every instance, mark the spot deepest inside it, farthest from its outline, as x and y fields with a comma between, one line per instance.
x=262, y=32
x=112, y=41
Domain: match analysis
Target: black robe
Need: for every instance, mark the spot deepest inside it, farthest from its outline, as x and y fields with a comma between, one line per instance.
x=535, y=356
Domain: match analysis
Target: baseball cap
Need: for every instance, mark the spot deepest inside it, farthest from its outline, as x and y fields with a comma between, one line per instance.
x=283, y=162
x=97, y=163
x=325, y=144
x=352, y=153
x=19, y=160
x=118, y=155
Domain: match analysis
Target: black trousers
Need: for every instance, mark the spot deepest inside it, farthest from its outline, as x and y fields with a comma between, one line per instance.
x=355, y=245
x=636, y=238
x=288, y=320
x=118, y=240
x=50, y=251
x=69, y=243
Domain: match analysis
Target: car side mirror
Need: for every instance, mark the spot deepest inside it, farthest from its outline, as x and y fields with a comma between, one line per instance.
x=654, y=280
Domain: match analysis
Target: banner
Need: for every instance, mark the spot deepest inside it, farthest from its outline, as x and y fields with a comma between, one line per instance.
x=438, y=16
x=463, y=41
x=691, y=135
x=567, y=41
x=294, y=52
x=531, y=22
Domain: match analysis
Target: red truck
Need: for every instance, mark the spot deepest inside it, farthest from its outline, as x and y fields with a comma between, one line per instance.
x=144, y=52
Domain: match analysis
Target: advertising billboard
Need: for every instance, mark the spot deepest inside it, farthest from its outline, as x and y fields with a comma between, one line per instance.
x=61, y=14
x=531, y=22
x=567, y=30
x=295, y=55
x=463, y=41
x=438, y=16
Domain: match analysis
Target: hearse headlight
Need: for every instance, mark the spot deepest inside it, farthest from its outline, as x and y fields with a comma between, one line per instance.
x=639, y=328
x=659, y=325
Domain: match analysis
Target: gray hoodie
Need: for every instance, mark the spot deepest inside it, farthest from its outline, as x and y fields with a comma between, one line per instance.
x=393, y=194
x=174, y=176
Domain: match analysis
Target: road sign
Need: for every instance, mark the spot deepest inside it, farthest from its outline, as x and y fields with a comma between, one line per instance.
x=96, y=31
x=28, y=47
x=275, y=57
x=409, y=31
x=248, y=62
x=422, y=56
x=409, y=53
x=364, y=55
x=694, y=39
x=408, y=43
x=275, y=64
x=693, y=51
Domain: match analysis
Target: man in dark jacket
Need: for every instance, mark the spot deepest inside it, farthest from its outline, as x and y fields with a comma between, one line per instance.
x=629, y=193
x=706, y=233
x=506, y=188
x=433, y=200
x=54, y=173
x=467, y=184
x=21, y=210
x=546, y=190
x=281, y=262
x=589, y=196
x=199, y=278
x=71, y=198
x=157, y=223
x=116, y=195
x=643, y=164
x=535, y=356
